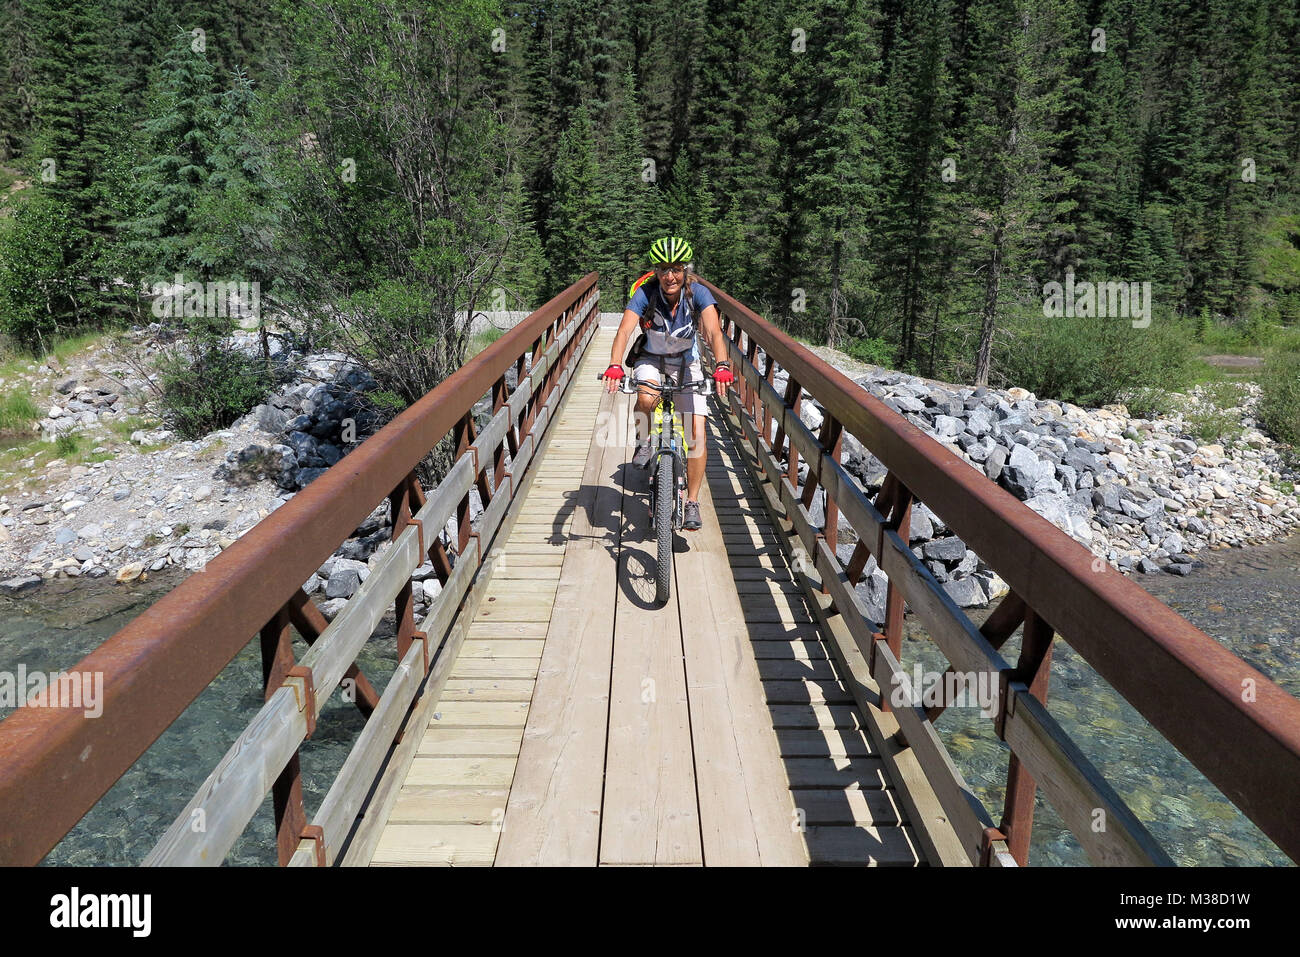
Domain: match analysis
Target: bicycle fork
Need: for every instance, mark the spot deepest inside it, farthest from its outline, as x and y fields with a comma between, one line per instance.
x=678, y=435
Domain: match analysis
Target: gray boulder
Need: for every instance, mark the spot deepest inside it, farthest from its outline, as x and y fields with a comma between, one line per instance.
x=951, y=549
x=995, y=463
x=966, y=592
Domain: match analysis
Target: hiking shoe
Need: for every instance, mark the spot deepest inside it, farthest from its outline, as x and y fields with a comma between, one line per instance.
x=691, y=518
x=642, y=457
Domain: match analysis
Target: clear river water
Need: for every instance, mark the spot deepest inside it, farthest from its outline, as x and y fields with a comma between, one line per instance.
x=1248, y=599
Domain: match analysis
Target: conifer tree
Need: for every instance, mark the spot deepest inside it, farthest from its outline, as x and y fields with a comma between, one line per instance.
x=180, y=142
x=842, y=179
x=571, y=239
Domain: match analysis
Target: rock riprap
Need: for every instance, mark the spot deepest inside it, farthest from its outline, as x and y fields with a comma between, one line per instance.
x=1140, y=493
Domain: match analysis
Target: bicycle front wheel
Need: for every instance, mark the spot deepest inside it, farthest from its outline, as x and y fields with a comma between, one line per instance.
x=665, y=490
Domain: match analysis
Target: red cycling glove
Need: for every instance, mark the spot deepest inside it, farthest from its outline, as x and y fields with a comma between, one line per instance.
x=614, y=372
x=722, y=373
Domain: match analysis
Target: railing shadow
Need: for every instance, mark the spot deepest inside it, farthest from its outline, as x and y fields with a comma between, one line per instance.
x=801, y=689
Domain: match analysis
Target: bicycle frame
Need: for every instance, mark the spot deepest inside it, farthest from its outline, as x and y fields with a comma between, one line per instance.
x=666, y=439
x=668, y=435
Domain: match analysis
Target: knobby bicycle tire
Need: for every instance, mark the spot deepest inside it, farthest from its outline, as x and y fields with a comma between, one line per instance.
x=665, y=489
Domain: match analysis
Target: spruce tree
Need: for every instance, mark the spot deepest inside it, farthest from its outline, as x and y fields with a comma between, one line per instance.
x=79, y=125
x=180, y=137
x=909, y=241
x=571, y=238
x=842, y=176
x=624, y=193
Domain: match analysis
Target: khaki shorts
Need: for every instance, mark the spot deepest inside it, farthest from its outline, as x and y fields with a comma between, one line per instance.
x=690, y=403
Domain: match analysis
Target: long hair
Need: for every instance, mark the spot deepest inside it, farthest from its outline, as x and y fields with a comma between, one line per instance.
x=688, y=293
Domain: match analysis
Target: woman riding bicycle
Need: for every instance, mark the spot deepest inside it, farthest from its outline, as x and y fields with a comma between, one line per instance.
x=670, y=346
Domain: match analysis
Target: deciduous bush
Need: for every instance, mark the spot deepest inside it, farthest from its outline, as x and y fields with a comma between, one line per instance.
x=1279, y=407
x=1092, y=361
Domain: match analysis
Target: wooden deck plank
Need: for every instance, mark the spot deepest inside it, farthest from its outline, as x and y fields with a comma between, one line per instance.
x=792, y=669
x=502, y=648
x=806, y=691
x=512, y=572
x=814, y=716
x=850, y=806
x=515, y=559
x=745, y=805
x=553, y=815
x=863, y=845
x=480, y=714
x=822, y=742
x=434, y=805
x=495, y=668
x=798, y=650
x=434, y=844
x=486, y=742
x=461, y=771
x=488, y=689
x=496, y=630
x=650, y=813
x=518, y=608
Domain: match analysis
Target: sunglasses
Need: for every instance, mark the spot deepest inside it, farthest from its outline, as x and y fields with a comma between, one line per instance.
x=676, y=270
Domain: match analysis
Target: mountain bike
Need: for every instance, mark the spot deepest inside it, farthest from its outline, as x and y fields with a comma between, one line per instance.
x=667, y=467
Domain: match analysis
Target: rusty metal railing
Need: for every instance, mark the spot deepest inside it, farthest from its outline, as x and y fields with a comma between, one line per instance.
x=56, y=763
x=1234, y=724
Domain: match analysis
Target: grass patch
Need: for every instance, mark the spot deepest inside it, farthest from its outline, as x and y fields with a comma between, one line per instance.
x=132, y=423
x=64, y=348
x=484, y=339
x=18, y=413
x=67, y=445
x=1248, y=337
x=14, y=361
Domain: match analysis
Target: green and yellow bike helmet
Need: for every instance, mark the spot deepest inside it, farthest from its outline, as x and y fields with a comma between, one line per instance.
x=671, y=249
x=665, y=252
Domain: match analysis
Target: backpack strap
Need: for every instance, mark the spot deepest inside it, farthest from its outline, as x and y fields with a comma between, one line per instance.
x=647, y=315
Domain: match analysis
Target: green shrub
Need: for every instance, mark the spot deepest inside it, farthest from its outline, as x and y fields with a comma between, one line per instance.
x=1216, y=415
x=1093, y=361
x=208, y=386
x=1148, y=403
x=67, y=444
x=872, y=352
x=37, y=286
x=1279, y=407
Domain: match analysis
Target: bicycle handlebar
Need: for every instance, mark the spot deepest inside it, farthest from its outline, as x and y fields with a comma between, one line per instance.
x=699, y=385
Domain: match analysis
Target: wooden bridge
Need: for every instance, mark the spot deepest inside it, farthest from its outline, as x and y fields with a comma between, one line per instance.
x=547, y=711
